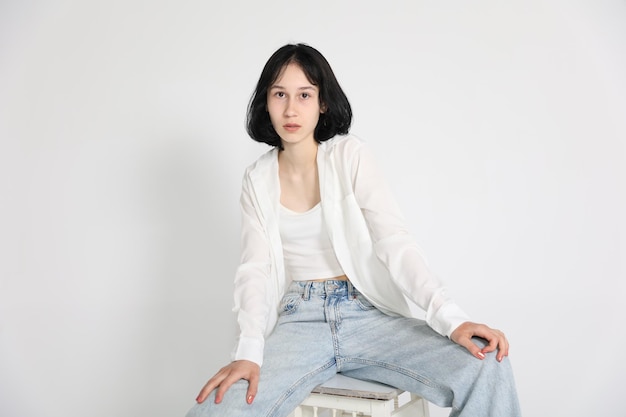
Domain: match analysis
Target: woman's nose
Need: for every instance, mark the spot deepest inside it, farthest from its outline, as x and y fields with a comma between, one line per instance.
x=290, y=108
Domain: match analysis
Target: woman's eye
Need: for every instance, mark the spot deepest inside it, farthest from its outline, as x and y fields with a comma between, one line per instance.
x=280, y=94
x=306, y=95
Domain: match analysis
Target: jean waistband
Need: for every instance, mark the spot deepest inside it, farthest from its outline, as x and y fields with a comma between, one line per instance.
x=322, y=288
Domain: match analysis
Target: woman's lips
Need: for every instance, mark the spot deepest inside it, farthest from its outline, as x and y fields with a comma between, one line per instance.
x=291, y=127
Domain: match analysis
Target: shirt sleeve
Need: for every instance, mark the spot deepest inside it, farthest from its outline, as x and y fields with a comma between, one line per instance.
x=251, y=279
x=396, y=247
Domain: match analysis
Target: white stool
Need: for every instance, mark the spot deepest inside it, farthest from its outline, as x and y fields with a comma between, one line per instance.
x=344, y=396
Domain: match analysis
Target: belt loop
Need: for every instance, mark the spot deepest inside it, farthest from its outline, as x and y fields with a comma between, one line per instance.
x=351, y=292
x=307, y=291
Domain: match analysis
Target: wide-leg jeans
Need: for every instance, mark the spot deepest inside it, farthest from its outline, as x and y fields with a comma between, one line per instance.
x=329, y=327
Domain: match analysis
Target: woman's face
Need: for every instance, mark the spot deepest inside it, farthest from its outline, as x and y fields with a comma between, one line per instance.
x=293, y=105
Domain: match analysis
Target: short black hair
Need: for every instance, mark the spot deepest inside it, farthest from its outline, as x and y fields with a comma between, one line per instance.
x=337, y=116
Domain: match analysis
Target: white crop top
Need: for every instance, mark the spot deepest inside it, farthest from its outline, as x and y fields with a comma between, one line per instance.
x=307, y=249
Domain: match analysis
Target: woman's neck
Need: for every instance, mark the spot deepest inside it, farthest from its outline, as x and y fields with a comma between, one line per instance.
x=299, y=180
x=298, y=158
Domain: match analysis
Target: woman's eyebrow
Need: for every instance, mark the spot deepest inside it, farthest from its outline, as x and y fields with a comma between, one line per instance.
x=306, y=87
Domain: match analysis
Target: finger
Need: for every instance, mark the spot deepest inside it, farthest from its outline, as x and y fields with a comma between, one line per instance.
x=224, y=386
x=202, y=395
x=221, y=390
x=212, y=384
x=207, y=389
x=498, y=341
x=253, y=385
x=503, y=349
x=494, y=342
x=473, y=348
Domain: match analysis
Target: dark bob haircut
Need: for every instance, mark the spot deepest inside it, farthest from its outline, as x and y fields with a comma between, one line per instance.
x=337, y=115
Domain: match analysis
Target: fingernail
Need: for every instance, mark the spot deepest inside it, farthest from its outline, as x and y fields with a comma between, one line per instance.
x=481, y=355
x=250, y=398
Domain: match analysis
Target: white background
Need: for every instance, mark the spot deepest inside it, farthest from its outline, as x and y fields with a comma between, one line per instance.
x=501, y=126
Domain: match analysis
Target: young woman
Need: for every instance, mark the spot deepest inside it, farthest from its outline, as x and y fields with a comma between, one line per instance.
x=328, y=270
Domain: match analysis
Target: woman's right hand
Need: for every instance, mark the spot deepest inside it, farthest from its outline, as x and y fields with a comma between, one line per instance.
x=230, y=374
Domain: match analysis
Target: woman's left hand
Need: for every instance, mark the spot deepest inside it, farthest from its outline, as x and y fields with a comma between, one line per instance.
x=495, y=339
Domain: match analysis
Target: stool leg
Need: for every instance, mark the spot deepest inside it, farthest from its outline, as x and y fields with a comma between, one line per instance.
x=381, y=408
x=424, y=406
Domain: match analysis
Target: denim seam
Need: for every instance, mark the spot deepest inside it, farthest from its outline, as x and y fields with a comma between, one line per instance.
x=419, y=378
x=293, y=388
x=292, y=304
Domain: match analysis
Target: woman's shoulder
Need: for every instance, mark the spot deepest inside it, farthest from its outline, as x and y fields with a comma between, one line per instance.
x=263, y=162
x=343, y=144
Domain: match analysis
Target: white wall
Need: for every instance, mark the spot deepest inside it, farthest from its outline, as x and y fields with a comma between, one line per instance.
x=122, y=149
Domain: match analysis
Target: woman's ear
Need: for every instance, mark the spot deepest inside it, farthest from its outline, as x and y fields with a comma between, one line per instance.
x=322, y=108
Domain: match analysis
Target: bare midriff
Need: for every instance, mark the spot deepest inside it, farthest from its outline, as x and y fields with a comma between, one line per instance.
x=339, y=278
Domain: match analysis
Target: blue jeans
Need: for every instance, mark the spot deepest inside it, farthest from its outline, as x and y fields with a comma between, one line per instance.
x=329, y=327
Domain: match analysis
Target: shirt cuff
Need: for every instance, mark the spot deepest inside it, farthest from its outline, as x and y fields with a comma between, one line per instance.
x=448, y=318
x=249, y=349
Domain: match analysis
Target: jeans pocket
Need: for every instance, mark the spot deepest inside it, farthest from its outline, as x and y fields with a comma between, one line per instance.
x=363, y=302
x=290, y=302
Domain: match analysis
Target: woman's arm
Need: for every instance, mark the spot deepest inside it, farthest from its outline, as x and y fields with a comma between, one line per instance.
x=250, y=305
x=395, y=246
x=251, y=280
x=397, y=249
